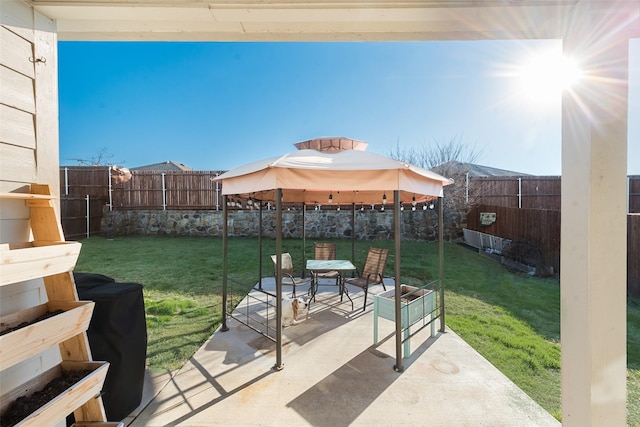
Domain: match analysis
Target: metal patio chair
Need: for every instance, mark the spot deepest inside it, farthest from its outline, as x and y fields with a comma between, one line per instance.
x=288, y=276
x=371, y=273
x=324, y=251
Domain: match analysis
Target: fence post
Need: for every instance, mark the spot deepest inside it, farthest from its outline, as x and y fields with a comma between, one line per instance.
x=217, y=193
x=164, y=194
x=110, y=190
x=66, y=181
x=467, y=189
x=88, y=216
x=519, y=193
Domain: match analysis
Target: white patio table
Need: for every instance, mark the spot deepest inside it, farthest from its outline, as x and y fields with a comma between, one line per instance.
x=342, y=266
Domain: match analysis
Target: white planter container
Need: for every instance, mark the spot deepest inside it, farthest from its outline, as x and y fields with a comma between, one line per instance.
x=416, y=304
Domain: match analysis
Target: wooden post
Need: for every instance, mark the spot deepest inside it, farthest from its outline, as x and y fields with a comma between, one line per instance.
x=594, y=226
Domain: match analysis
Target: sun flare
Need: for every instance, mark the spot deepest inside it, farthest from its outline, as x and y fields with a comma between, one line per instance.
x=543, y=77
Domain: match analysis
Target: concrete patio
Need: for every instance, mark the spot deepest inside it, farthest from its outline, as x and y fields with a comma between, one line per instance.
x=334, y=376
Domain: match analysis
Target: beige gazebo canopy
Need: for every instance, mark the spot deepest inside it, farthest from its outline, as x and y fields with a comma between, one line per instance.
x=349, y=176
x=345, y=177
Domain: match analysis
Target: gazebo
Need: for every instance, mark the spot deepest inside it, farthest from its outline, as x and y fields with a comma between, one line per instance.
x=343, y=177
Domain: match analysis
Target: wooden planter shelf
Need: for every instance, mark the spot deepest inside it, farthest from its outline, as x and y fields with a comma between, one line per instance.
x=52, y=260
x=36, y=337
x=26, y=261
x=59, y=407
x=97, y=424
x=40, y=198
x=25, y=196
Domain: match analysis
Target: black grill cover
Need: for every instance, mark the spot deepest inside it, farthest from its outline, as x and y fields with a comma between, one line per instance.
x=117, y=334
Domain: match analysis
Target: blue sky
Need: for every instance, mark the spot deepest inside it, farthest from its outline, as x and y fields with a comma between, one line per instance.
x=216, y=106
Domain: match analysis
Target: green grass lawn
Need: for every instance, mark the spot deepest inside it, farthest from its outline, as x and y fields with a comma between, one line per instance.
x=510, y=318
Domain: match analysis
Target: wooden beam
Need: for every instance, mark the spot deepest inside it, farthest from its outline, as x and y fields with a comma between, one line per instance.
x=306, y=20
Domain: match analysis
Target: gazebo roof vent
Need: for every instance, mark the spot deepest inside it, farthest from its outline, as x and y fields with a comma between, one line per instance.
x=337, y=143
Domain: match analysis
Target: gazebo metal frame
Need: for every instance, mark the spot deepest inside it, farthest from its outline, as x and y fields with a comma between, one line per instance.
x=411, y=176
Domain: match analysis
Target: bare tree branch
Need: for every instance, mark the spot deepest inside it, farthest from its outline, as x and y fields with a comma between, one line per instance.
x=446, y=158
x=438, y=152
x=100, y=159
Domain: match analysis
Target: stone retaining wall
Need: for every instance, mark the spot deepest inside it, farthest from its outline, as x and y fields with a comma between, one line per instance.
x=369, y=225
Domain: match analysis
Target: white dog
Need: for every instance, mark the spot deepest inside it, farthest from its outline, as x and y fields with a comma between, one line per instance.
x=291, y=307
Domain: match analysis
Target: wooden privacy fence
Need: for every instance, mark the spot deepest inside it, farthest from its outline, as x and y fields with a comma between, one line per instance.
x=168, y=190
x=532, y=192
x=85, y=180
x=541, y=227
x=86, y=190
x=145, y=189
x=633, y=255
x=633, y=191
x=196, y=189
x=81, y=216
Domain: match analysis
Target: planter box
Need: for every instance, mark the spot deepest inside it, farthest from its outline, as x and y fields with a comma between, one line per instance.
x=415, y=305
x=64, y=403
x=31, y=260
x=34, y=338
x=97, y=424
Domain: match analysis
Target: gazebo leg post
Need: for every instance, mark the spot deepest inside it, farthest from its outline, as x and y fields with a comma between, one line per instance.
x=225, y=254
x=441, y=260
x=260, y=216
x=278, y=366
x=353, y=236
x=304, y=239
x=398, y=293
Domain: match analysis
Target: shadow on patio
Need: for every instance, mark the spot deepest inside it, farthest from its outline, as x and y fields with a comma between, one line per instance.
x=334, y=376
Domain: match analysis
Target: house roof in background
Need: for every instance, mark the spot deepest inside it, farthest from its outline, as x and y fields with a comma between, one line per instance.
x=163, y=166
x=472, y=169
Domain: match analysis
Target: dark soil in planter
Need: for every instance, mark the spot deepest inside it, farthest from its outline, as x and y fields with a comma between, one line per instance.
x=406, y=298
x=23, y=324
x=24, y=406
